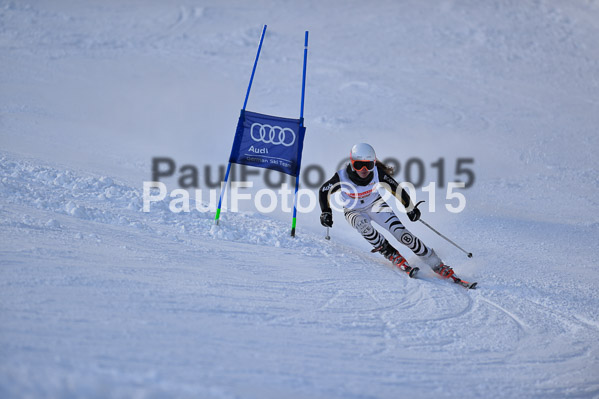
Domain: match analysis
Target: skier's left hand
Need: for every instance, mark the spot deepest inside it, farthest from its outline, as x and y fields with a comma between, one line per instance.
x=414, y=214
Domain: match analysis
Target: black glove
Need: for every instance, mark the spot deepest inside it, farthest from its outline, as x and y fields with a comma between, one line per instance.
x=414, y=214
x=326, y=219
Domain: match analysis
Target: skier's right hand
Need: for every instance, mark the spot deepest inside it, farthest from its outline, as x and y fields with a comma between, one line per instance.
x=326, y=219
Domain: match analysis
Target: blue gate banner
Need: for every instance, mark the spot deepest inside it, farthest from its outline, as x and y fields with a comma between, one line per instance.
x=269, y=142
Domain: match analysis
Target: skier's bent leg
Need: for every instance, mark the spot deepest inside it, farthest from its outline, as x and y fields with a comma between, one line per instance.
x=361, y=223
x=391, y=222
x=427, y=254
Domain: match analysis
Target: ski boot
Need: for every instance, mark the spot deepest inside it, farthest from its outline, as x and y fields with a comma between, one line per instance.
x=443, y=271
x=447, y=272
x=395, y=257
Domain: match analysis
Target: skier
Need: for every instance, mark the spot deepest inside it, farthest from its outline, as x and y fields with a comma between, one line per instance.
x=363, y=204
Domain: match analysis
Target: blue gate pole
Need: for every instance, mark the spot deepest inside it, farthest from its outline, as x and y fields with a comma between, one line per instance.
x=304, y=76
x=222, y=192
x=247, y=95
x=294, y=221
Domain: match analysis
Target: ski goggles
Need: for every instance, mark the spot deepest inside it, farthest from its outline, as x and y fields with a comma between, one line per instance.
x=363, y=165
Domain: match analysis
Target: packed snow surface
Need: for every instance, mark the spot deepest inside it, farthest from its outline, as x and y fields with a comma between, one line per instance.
x=100, y=299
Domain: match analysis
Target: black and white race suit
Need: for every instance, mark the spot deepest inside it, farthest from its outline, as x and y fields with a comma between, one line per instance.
x=363, y=204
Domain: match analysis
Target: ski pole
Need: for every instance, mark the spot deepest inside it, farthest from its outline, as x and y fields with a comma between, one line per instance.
x=327, y=237
x=441, y=235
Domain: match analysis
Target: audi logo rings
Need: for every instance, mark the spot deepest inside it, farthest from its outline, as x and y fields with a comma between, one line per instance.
x=275, y=135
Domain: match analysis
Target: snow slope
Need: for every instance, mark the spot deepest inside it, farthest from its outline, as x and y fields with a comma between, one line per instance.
x=99, y=299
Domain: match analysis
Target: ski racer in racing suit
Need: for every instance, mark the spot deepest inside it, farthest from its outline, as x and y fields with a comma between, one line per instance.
x=362, y=205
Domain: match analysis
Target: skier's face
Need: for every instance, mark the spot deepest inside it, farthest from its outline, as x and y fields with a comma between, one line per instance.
x=363, y=173
x=363, y=167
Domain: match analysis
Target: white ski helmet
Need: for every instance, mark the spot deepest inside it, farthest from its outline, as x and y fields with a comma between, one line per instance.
x=362, y=155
